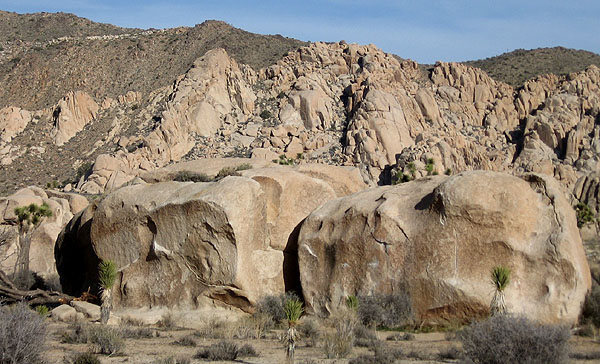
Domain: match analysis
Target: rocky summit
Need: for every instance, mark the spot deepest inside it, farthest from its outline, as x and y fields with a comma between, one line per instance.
x=214, y=172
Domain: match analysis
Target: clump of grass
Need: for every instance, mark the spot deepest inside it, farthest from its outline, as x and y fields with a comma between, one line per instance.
x=340, y=343
x=104, y=339
x=173, y=360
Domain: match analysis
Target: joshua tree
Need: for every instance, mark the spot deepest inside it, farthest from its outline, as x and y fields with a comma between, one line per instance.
x=107, y=275
x=293, y=310
x=500, y=279
x=29, y=217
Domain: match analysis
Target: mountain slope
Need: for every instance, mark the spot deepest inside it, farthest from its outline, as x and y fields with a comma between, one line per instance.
x=35, y=75
x=520, y=65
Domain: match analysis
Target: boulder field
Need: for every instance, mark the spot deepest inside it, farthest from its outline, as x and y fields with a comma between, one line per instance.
x=318, y=230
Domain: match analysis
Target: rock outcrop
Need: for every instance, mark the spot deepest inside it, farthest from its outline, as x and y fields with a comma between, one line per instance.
x=63, y=207
x=71, y=114
x=437, y=240
x=200, y=244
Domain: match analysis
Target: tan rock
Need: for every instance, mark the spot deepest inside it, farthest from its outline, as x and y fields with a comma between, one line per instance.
x=13, y=120
x=71, y=114
x=374, y=242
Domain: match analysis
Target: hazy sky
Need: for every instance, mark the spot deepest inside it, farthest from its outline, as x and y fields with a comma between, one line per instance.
x=426, y=31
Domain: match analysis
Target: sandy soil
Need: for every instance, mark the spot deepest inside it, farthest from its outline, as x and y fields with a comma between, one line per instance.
x=424, y=349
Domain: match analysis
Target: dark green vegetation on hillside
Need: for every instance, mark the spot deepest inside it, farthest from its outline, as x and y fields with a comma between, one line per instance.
x=36, y=72
x=520, y=65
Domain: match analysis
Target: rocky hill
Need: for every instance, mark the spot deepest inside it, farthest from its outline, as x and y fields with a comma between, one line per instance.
x=130, y=128
x=521, y=65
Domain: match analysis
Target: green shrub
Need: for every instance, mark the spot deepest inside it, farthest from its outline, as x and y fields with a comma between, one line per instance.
x=266, y=114
x=510, y=339
x=390, y=311
x=42, y=310
x=584, y=214
x=22, y=335
x=187, y=176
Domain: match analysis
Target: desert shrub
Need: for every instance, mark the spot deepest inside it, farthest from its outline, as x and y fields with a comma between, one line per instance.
x=401, y=337
x=173, y=360
x=22, y=335
x=593, y=355
x=167, y=322
x=224, y=350
x=381, y=355
x=213, y=329
x=392, y=310
x=187, y=176
x=512, y=339
x=186, y=341
x=129, y=332
x=266, y=114
x=246, y=351
x=590, y=313
x=253, y=327
x=450, y=353
x=586, y=330
x=309, y=332
x=105, y=340
x=78, y=333
x=340, y=343
x=84, y=358
x=273, y=307
x=584, y=214
x=364, y=337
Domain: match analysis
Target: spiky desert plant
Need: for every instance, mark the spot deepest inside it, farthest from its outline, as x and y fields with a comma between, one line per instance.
x=352, y=303
x=293, y=310
x=29, y=217
x=500, y=279
x=107, y=275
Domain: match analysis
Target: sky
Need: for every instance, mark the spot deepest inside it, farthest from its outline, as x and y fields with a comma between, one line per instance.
x=425, y=31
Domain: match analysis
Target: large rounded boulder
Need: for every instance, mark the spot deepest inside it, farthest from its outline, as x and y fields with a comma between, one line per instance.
x=188, y=245
x=438, y=238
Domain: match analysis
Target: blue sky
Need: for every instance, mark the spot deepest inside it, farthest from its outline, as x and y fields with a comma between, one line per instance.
x=426, y=31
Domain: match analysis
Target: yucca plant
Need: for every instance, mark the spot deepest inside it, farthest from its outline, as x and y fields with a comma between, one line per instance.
x=352, y=303
x=500, y=279
x=107, y=275
x=293, y=310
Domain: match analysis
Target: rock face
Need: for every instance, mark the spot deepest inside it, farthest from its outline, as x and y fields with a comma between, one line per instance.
x=71, y=114
x=62, y=205
x=197, y=244
x=13, y=120
x=437, y=239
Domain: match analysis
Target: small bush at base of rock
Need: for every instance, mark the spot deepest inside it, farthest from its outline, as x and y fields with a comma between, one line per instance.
x=22, y=335
x=224, y=350
x=272, y=306
x=392, y=310
x=309, y=332
x=512, y=339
